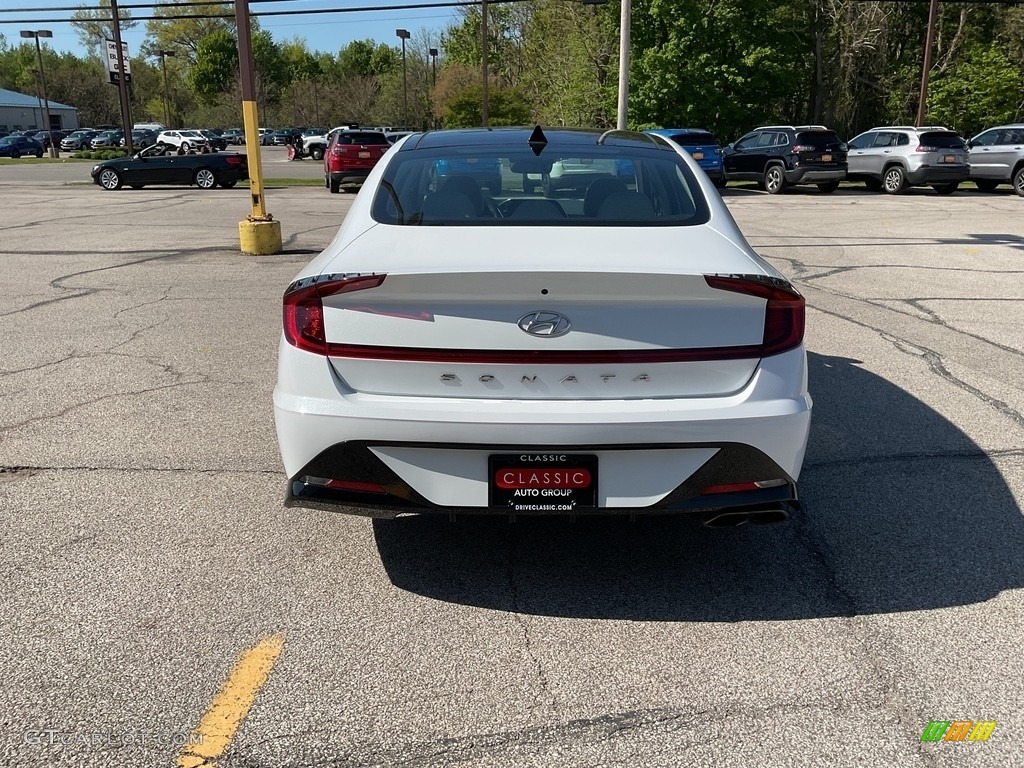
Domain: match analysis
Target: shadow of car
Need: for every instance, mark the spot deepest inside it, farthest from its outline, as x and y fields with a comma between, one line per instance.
x=902, y=512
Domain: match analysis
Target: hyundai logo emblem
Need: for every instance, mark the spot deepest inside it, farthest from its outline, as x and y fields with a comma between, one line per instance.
x=543, y=323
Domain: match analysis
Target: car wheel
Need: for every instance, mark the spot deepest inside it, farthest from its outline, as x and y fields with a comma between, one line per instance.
x=894, y=181
x=39, y=154
x=873, y=184
x=1018, y=181
x=229, y=184
x=945, y=189
x=317, y=153
x=549, y=188
x=186, y=146
x=721, y=182
x=828, y=187
x=774, y=180
x=204, y=179
x=986, y=186
x=110, y=179
x=15, y=154
x=335, y=186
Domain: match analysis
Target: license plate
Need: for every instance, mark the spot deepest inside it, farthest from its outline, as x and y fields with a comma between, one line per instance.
x=363, y=155
x=826, y=158
x=698, y=155
x=542, y=482
x=949, y=158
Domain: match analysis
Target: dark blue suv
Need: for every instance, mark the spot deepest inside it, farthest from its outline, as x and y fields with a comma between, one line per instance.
x=702, y=146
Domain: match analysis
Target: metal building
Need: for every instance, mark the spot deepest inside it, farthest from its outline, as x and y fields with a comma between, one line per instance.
x=19, y=111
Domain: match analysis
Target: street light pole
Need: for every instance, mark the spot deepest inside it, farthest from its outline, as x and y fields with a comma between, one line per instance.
x=404, y=34
x=37, y=33
x=485, y=107
x=922, y=102
x=167, y=98
x=433, y=65
x=624, y=30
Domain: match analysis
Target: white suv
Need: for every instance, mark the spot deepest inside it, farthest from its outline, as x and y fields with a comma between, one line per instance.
x=186, y=140
x=997, y=157
x=892, y=158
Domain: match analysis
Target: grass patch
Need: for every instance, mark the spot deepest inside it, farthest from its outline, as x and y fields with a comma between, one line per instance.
x=270, y=182
x=42, y=160
x=100, y=154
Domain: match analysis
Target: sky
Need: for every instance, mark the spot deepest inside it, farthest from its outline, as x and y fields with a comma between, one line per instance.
x=322, y=32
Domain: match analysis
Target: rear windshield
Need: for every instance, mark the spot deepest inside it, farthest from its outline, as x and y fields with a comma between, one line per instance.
x=370, y=137
x=943, y=139
x=572, y=186
x=818, y=139
x=696, y=139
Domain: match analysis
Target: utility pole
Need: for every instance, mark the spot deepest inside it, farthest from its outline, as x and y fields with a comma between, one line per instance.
x=122, y=80
x=922, y=102
x=259, y=233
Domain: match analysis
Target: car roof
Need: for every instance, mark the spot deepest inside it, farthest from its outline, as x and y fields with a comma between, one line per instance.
x=670, y=131
x=504, y=137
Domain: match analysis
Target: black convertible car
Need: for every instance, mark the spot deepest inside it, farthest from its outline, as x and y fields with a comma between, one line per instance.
x=160, y=164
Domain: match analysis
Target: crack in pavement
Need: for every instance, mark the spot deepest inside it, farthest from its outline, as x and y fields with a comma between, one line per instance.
x=938, y=367
x=520, y=619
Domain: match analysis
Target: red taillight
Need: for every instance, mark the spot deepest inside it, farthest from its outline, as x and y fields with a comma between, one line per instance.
x=923, y=148
x=784, y=316
x=304, y=310
x=339, y=149
x=352, y=485
x=797, y=148
x=235, y=160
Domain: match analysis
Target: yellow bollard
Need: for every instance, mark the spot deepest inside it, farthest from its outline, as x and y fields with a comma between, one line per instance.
x=260, y=238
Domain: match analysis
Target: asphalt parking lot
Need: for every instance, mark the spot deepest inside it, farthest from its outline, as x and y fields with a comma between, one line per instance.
x=145, y=552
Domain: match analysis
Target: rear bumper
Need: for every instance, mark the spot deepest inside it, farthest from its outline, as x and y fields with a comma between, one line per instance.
x=815, y=175
x=431, y=452
x=937, y=174
x=350, y=174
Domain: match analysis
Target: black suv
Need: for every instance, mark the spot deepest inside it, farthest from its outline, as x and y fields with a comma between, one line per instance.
x=777, y=156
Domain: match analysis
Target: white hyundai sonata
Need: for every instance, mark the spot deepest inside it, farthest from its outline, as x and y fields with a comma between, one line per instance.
x=616, y=347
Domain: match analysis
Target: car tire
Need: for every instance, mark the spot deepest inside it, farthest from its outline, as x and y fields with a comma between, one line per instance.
x=721, y=183
x=873, y=185
x=39, y=154
x=894, y=181
x=229, y=184
x=110, y=179
x=985, y=185
x=1018, y=181
x=946, y=189
x=774, y=179
x=186, y=146
x=204, y=178
x=334, y=186
x=15, y=154
x=828, y=187
x=317, y=153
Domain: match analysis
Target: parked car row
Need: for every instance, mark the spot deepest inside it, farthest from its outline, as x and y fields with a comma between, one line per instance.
x=888, y=158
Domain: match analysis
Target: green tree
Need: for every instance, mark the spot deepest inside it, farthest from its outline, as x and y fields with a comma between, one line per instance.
x=216, y=67
x=982, y=90
x=183, y=35
x=93, y=32
x=506, y=106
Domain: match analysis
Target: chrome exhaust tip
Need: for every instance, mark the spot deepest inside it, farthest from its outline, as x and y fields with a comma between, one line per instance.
x=735, y=518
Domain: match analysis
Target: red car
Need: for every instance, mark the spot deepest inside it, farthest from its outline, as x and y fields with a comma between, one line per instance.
x=351, y=155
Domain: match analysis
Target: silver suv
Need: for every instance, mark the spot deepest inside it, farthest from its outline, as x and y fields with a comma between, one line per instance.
x=997, y=157
x=892, y=158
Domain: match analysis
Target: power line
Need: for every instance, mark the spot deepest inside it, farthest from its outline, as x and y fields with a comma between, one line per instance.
x=266, y=14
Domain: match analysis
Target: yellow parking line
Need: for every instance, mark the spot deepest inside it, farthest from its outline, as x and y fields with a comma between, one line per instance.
x=231, y=705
